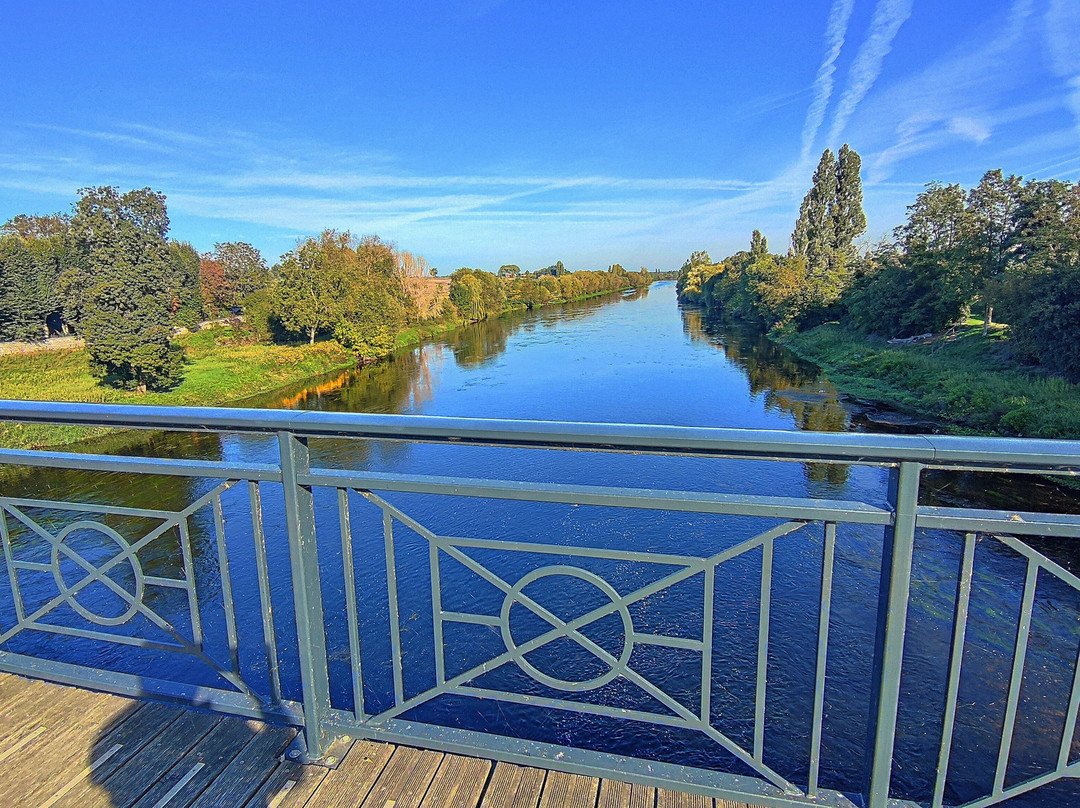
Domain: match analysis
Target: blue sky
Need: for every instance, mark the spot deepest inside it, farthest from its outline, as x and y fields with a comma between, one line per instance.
x=480, y=132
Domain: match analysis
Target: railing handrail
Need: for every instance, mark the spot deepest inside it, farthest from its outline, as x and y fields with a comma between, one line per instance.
x=849, y=447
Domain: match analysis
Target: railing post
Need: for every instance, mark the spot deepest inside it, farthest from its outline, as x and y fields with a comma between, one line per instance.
x=891, y=627
x=307, y=596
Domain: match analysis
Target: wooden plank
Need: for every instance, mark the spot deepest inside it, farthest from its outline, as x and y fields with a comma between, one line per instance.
x=614, y=794
x=131, y=780
x=13, y=688
x=348, y=785
x=248, y=770
x=562, y=790
x=111, y=752
x=677, y=799
x=405, y=779
x=290, y=785
x=731, y=804
x=459, y=783
x=513, y=786
x=57, y=754
x=47, y=706
x=179, y=787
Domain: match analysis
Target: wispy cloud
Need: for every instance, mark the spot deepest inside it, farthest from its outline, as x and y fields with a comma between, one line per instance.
x=835, y=33
x=889, y=15
x=1062, y=36
x=964, y=95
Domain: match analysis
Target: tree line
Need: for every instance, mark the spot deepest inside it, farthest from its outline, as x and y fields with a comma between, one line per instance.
x=109, y=272
x=1006, y=249
x=477, y=294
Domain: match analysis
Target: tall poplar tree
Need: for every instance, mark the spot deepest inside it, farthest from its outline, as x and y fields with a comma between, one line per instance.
x=831, y=217
x=848, y=217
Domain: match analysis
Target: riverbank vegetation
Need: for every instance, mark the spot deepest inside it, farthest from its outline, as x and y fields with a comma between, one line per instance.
x=109, y=273
x=218, y=368
x=1007, y=250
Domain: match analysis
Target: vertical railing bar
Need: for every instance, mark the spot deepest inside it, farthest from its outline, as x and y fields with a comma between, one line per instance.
x=824, y=612
x=226, y=586
x=893, y=597
x=763, y=648
x=266, y=602
x=956, y=659
x=391, y=591
x=189, y=579
x=352, y=615
x=1016, y=677
x=707, y=643
x=1070, y=717
x=13, y=576
x=307, y=591
x=437, y=615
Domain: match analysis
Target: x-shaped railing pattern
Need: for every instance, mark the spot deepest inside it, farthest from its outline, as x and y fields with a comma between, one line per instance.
x=679, y=714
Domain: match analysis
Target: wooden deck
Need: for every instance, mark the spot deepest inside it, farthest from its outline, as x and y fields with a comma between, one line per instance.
x=63, y=746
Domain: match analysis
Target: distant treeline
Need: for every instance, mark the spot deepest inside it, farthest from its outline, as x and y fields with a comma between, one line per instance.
x=109, y=272
x=476, y=294
x=1005, y=249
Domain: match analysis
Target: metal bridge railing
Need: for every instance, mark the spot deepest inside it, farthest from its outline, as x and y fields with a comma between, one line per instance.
x=169, y=572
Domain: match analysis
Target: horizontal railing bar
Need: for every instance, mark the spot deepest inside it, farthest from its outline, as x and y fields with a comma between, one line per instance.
x=647, y=498
x=145, y=687
x=583, y=761
x=1021, y=523
x=662, y=559
x=88, y=507
x=141, y=465
x=975, y=452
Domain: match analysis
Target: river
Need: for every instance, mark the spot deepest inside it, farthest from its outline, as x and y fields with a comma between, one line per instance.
x=629, y=358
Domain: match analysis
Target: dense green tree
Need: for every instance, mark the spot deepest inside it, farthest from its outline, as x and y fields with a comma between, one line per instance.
x=1047, y=227
x=993, y=205
x=831, y=217
x=509, y=271
x=813, y=237
x=1044, y=318
x=30, y=269
x=759, y=246
x=244, y=270
x=692, y=276
x=848, y=217
x=344, y=286
x=119, y=286
x=184, y=289
x=898, y=294
x=312, y=289
x=937, y=221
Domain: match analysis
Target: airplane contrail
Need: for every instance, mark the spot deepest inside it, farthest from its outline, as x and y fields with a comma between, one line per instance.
x=835, y=33
x=889, y=15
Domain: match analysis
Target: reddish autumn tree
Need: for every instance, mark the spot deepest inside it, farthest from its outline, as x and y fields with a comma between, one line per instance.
x=216, y=293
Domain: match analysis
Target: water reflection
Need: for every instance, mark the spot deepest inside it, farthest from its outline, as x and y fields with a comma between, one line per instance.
x=787, y=383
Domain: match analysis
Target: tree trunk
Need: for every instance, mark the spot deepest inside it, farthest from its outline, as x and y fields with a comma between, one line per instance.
x=311, y=333
x=989, y=319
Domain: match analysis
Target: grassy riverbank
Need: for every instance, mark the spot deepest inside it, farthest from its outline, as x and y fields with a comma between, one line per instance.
x=969, y=381
x=216, y=371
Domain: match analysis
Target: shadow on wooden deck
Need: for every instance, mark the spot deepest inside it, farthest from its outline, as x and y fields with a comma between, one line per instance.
x=64, y=747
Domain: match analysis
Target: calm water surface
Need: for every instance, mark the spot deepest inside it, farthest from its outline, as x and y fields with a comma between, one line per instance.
x=633, y=358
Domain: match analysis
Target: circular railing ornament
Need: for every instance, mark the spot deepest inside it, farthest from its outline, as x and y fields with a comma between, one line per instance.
x=515, y=595
x=125, y=554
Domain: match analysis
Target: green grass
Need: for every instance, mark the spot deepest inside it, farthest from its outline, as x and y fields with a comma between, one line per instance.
x=970, y=381
x=216, y=371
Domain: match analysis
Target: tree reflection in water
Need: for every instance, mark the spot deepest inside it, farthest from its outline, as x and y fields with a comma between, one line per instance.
x=787, y=383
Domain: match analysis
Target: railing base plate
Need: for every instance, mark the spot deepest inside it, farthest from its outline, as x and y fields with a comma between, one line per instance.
x=297, y=752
